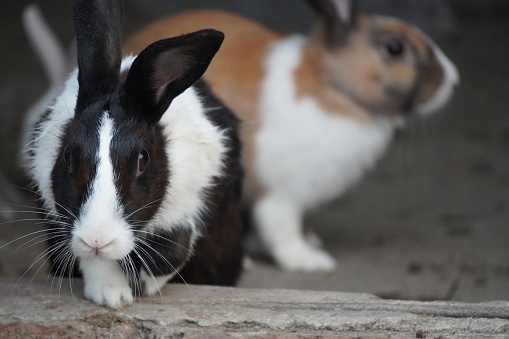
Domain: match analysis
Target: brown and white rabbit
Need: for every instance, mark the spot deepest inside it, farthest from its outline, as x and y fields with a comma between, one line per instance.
x=138, y=166
x=318, y=111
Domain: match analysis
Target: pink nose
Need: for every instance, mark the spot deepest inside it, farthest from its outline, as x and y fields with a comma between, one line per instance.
x=96, y=245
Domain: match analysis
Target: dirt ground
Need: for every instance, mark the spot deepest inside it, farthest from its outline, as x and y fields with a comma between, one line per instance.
x=431, y=222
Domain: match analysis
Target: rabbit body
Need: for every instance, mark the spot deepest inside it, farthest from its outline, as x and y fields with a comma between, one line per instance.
x=317, y=110
x=303, y=157
x=137, y=165
x=288, y=136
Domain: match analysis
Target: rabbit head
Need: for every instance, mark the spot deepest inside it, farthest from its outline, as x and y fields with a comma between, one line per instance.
x=109, y=165
x=382, y=63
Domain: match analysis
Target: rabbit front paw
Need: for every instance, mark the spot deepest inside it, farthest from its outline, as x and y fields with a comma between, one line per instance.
x=109, y=294
x=304, y=258
x=152, y=285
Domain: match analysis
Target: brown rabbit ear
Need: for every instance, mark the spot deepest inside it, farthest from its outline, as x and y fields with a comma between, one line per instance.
x=339, y=18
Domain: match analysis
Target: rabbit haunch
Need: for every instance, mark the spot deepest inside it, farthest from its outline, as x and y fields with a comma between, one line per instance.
x=319, y=110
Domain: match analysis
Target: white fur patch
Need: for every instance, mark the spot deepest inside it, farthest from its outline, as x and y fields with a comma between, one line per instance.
x=195, y=153
x=47, y=140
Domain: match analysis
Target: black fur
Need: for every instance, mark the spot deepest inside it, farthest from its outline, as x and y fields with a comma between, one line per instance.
x=98, y=27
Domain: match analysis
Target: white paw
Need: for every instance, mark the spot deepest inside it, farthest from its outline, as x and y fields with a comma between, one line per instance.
x=108, y=294
x=303, y=258
x=153, y=285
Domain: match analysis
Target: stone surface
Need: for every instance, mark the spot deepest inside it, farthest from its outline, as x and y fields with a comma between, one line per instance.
x=38, y=308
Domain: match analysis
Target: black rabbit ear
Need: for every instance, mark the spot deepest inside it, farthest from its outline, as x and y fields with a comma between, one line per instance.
x=339, y=18
x=167, y=68
x=98, y=26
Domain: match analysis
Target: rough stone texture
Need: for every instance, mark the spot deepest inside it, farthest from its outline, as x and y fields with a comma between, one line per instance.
x=40, y=309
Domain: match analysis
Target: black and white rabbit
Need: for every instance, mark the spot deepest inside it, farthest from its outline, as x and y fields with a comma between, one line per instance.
x=318, y=111
x=137, y=165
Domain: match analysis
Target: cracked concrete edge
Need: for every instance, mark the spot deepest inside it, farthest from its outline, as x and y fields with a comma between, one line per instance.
x=39, y=310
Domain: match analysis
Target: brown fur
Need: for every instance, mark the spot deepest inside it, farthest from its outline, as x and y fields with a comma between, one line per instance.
x=312, y=79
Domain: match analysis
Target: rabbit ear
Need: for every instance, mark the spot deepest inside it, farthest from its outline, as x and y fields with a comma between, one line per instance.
x=98, y=26
x=165, y=69
x=339, y=18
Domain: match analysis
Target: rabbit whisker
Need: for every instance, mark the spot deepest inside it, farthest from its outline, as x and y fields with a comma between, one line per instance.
x=163, y=238
x=135, y=277
x=127, y=265
x=33, y=210
x=47, y=198
x=21, y=237
x=147, y=268
x=37, y=260
x=142, y=208
x=166, y=261
x=67, y=262
x=32, y=242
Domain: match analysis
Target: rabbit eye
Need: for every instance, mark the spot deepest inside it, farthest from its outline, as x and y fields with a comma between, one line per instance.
x=67, y=156
x=143, y=159
x=395, y=48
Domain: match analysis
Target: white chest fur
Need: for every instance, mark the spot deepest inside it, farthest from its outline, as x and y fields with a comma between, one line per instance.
x=302, y=153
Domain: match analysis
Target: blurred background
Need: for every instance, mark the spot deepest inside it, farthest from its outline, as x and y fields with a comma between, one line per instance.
x=431, y=222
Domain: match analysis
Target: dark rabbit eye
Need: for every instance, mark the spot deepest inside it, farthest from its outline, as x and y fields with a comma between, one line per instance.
x=67, y=156
x=143, y=159
x=395, y=48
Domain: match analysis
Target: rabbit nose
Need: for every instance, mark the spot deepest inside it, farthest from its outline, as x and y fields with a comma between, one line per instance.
x=96, y=245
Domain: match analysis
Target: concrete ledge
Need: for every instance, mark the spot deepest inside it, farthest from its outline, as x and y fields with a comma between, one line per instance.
x=37, y=309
